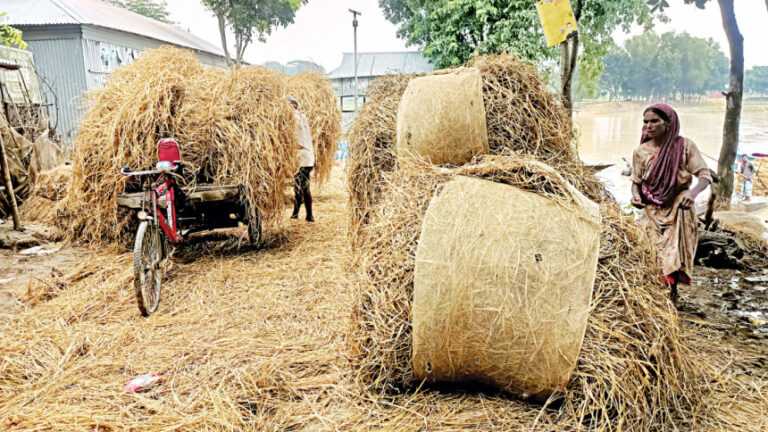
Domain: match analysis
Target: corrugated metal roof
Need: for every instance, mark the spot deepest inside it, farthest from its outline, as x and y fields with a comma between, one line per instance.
x=382, y=63
x=97, y=13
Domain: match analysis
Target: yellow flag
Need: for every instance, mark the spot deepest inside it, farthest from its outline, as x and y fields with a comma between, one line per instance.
x=557, y=19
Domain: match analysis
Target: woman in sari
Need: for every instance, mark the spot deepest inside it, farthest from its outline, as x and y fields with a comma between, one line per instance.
x=663, y=167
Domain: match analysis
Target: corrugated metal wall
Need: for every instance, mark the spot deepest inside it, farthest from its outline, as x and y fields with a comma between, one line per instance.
x=101, y=59
x=71, y=59
x=59, y=64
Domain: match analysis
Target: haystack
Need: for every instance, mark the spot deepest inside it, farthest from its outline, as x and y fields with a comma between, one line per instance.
x=234, y=127
x=636, y=370
x=240, y=129
x=124, y=121
x=522, y=116
x=49, y=190
x=318, y=102
x=371, y=148
x=502, y=285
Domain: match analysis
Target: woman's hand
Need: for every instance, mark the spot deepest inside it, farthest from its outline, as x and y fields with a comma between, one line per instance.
x=688, y=200
x=637, y=202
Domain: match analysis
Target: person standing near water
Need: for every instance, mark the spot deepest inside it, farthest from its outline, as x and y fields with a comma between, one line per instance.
x=747, y=174
x=663, y=167
x=306, y=163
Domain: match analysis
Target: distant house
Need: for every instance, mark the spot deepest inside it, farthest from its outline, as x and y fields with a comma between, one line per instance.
x=294, y=67
x=77, y=43
x=369, y=66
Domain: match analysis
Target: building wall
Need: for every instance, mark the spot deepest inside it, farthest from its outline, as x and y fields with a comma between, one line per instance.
x=105, y=50
x=58, y=56
x=344, y=88
x=72, y=59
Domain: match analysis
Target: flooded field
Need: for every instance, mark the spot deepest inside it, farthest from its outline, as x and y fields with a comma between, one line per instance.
x=609, y=132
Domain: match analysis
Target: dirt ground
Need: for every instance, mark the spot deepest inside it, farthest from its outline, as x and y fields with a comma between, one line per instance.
x=734, y=303
x=244, y=339
x=23, y=270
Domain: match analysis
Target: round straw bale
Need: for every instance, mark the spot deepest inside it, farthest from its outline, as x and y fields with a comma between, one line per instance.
x=636, y=370
x=441, y=118
x=317, y=100
x=522, y=117
x=502, y=286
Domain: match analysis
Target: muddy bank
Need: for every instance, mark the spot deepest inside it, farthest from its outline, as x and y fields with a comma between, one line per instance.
x=732, y=302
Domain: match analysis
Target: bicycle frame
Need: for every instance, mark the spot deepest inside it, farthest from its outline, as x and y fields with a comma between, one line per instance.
x=159, y=184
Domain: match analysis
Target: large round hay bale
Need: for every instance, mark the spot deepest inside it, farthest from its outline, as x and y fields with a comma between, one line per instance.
x=638, y=369
x=441, y=118
x=502, y=286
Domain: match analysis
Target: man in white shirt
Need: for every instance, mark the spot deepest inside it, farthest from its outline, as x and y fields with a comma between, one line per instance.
x=306, y=162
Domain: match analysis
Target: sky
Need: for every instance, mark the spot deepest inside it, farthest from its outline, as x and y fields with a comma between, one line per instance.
x=322, y=30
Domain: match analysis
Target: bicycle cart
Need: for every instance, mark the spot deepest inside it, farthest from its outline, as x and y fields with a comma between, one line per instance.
x=169, y=213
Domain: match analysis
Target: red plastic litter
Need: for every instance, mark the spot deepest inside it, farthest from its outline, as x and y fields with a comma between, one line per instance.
x=142, y=382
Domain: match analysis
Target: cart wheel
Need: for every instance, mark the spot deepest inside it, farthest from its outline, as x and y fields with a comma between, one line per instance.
x=254, y=227
x=147, y=270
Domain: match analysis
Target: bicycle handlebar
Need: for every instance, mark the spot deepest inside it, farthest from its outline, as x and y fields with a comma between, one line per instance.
x=126, y=172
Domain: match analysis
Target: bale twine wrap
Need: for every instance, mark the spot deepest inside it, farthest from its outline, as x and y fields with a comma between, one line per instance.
x=502, y=286
x=234, y=127
x=441, y=118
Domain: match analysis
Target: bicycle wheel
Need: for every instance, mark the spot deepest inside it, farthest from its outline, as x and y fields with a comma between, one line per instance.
x=147, y=272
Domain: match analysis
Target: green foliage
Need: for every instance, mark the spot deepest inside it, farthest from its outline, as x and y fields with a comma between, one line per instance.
x=9, y=35
x=255, y=18
x=451, y=31
x=667, y=65
x=660, y=5
x=155, y=9
x=756, y=80
x=249, y=19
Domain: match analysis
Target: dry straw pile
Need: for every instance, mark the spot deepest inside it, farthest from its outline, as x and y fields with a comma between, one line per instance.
x=522, y=116
x=49, y=190
x=639, y=368
x=234, y=127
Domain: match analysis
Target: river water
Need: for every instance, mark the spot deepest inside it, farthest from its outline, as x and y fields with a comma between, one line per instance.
x=610, y=131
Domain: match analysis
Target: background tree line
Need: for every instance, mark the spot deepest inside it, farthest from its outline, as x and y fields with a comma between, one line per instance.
x=671, y=67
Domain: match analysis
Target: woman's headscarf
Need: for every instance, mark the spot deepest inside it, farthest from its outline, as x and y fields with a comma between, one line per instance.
x=660, y=186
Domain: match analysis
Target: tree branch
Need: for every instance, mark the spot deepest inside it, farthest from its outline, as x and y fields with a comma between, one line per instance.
x=223, y=33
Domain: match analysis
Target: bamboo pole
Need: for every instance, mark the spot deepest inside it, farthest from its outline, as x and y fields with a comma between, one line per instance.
x=9, y=187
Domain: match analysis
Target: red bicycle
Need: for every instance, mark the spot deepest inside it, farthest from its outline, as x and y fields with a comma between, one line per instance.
x=169, y=213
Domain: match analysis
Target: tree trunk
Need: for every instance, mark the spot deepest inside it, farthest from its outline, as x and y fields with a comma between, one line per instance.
x=223, y=33
x=733, y=102
x=569, y=56
x=9, y=185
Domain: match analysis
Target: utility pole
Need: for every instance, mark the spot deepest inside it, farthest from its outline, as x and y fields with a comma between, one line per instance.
x=354, y=26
